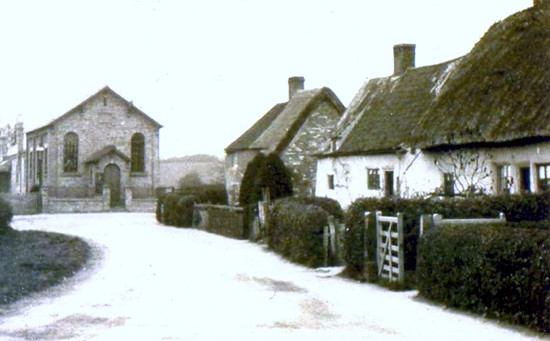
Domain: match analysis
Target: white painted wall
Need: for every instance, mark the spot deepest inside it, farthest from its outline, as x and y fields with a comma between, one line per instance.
x=417, y=174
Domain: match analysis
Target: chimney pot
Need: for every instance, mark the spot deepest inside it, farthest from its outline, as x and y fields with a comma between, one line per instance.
x=403, y=58
x=295, y=84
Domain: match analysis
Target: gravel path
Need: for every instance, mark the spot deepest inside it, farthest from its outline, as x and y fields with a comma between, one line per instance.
x=151, y=282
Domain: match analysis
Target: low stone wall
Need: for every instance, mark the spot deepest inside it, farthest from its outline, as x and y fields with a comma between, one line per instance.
x=95, y=204
x=223, y=220
x=25, y=203
x=63, y=205
x=142, y=205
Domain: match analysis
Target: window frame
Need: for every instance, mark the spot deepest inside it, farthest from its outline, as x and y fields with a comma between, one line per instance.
x=449, y=184
x=330, y=181
x=70, y=152
x=137, y=153
x=504, y=178
x=373, y=179
x=543, y=183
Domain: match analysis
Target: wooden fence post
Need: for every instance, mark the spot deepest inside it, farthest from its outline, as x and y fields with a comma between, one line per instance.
x=401, y=243
x=369, y=266
x=426, y=223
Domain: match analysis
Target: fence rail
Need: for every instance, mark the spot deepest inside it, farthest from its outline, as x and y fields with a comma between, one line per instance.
x=428, y=221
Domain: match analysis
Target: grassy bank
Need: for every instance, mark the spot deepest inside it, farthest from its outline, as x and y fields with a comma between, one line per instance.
x=32, y=261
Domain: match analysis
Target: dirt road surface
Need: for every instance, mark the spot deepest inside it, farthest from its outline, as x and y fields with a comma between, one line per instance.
x=151, y=282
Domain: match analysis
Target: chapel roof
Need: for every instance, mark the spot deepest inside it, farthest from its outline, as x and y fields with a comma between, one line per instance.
x=102, y=91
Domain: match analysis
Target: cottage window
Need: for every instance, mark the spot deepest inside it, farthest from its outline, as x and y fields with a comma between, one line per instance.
x=330, y=179
x=448, y=184
x=504, y=178
x=70, y=153
x=544, y=177
x=138, y=152
x=373, y=178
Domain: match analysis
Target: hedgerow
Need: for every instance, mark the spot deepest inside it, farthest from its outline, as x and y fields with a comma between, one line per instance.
x=498, y=271
x=296, y=231
x=525, y=210
x=176, y=210
x=6, y=215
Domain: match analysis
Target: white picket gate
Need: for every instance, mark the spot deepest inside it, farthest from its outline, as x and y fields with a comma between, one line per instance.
x=390, y=252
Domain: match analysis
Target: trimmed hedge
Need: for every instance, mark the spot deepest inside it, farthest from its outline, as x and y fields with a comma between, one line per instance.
x=6, y=215
x=176, y=210
x=523, y=210
x=495, y=270
x=296, y=231
x=214, y=194
x=331, y=206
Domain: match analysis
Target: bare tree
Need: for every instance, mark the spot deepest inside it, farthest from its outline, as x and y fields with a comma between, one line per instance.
x=468, y=168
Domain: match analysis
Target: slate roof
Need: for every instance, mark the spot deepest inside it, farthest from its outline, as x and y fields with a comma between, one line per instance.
x=498, y=93
x=105, y=151
x=78, y=107
x=277, y=127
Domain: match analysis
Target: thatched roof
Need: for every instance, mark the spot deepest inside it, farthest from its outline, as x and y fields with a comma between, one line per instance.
x=498, y=93
x=501, y=91
x=383, y=113
x=277, y=127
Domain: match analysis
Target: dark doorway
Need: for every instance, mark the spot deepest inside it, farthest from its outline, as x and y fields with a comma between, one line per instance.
x=5, y=182
x=388, y=180
x=525, y=179
x=111, y=178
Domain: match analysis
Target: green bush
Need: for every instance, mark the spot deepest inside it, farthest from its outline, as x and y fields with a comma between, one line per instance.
x=177, y=209
x=6, y=214
x=495, y=270
x=518, y=209
x=214, y=194
x=296, y=231
x=331, y=206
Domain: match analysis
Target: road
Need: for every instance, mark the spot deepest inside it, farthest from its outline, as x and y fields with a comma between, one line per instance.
x=151, y=282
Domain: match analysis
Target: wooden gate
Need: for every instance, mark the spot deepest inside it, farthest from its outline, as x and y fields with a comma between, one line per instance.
x=390, y=253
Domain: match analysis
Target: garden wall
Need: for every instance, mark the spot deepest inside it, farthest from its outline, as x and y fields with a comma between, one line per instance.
x=223, y=220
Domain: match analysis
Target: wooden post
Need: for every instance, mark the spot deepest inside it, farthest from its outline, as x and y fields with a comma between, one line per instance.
x=426, y=223
x=369, y=266
x=379, y=240
x=437, y=219
x=325, y=244
x=401, y=243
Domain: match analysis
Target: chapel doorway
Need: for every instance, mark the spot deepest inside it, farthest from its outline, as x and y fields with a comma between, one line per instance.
x=111, y=178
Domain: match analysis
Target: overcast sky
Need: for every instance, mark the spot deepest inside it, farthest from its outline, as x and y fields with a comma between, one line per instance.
x=208, y=69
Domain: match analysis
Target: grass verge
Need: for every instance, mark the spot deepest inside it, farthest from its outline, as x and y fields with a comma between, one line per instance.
x=31, y=261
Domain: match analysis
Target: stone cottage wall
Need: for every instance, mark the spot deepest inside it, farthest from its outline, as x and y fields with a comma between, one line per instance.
x=235, y=167
x=298, y=156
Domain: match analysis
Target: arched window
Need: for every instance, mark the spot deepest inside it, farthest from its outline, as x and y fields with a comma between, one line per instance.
x=138, y=153
x=70, y=153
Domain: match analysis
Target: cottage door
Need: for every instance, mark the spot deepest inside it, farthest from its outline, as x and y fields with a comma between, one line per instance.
x=111, y=178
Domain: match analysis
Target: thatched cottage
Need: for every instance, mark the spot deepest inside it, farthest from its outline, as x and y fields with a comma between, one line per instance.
x=293, y=130
x=479, y=123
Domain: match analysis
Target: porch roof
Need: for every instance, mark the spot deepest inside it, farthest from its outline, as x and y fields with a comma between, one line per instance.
x=106, y=151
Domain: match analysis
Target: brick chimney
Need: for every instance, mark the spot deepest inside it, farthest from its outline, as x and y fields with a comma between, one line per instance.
x=403, y=58
x=295, y=84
